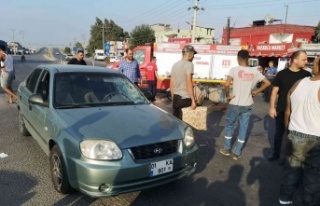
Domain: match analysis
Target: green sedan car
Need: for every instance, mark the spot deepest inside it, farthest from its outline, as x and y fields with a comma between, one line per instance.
x=102, y=135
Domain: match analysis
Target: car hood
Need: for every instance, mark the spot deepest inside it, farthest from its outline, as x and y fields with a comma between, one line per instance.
x=128, y=126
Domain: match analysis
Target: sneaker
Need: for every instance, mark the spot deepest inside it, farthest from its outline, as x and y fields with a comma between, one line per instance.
x=235, y=157
x=225, y=152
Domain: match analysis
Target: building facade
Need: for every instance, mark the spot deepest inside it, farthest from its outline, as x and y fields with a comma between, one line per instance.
x=164, y=33
x=269, y=34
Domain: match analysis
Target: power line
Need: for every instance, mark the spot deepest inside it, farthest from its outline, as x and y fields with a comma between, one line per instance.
x=151, y=14
x=254, y=4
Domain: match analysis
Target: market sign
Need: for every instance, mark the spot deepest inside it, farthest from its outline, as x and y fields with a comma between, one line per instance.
x=271, y=47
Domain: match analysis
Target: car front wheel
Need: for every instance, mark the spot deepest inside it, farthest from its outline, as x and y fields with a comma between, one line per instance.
x=22, y=127
x=58, y=171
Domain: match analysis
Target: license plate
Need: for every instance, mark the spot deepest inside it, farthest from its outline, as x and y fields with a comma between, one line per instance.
x=161, y=167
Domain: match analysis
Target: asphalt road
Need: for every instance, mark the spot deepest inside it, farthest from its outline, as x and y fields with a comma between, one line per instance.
x=59, y=57
x=25, y=177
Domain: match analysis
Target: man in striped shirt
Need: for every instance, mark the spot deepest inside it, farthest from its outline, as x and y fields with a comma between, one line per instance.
x=130, y=67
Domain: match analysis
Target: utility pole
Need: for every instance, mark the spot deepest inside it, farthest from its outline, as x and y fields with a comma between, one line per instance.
x=228, y=31
x=195, y=10
x=194, y=22
x=103, y=27
x=84, y=43
x=14, y=45
x=286, y=18
x=22, y=37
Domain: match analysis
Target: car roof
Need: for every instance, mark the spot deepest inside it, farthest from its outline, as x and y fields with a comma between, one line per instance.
x=63, y=68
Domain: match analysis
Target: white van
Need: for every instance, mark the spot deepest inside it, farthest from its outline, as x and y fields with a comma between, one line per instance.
x=99, y=55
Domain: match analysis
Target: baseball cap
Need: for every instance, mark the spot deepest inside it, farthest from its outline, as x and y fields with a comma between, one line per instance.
x=189, y=48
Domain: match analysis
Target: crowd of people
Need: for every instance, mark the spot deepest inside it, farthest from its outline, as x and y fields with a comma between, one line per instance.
x=294, y=103
x=293, y=94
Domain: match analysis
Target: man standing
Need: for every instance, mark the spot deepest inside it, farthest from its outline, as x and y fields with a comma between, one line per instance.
x=282, y=83
x=181, y=85
x=7, y=74
x=130, y=67
x=152, y=77
x=79, y=59
x=270, y=73
x=302, y=117
x=244, y=80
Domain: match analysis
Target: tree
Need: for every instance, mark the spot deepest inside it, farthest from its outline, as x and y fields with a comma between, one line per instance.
x=112, y=32
x=79, y=45
x=141, y=35
x=316, y=38
x=67, y=50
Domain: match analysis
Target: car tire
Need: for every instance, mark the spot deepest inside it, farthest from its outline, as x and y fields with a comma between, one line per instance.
x=22, y=127
x=58, y=171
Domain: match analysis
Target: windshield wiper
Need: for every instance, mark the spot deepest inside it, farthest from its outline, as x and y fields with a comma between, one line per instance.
x=71, y=106
x=137, y=103
x=117, y=103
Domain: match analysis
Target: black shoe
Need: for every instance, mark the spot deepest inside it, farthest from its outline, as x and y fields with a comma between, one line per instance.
x=273, y=158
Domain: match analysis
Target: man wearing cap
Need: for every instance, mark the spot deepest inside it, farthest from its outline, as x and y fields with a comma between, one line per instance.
x=7, y=74
x=181, y=85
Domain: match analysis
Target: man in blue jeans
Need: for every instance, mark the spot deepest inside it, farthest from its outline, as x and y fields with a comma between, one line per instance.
x=244, y=80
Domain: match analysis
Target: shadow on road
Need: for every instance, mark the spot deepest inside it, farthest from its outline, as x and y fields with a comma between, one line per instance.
x=268, y=176
x=75, y=199
x=19, y=182
x=199, y=192
x=206, y=140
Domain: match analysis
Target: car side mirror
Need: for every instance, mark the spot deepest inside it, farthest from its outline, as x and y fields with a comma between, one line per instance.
x=36, y=99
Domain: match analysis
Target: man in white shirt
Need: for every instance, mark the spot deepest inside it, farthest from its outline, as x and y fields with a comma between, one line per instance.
x=302, y=117
x=7, y=74
x=244, y=80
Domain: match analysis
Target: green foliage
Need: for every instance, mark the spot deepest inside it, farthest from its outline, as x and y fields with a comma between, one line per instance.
x=79, y=45
x=112, y=32
x=67, y=50
x=141, y=35
x=316, y=38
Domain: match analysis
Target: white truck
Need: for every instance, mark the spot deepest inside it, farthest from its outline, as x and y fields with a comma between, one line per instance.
x=211, y=65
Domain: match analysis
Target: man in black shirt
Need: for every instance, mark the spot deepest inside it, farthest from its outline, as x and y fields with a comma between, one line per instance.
x=282, y=83
x=79, y=59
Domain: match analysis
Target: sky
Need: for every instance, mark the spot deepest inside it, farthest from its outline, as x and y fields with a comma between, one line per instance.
x=60, y=23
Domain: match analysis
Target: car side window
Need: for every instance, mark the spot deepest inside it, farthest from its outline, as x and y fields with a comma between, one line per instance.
x=43, y=86
x=32, y=79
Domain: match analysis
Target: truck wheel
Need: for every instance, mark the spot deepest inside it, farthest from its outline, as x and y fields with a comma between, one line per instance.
x=22, y=127
x=58, y=171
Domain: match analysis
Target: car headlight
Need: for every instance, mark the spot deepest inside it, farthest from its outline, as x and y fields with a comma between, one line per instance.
x=100, y=150
x=188, y=137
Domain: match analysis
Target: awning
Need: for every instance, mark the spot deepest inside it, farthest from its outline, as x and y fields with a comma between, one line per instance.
x=268, y=54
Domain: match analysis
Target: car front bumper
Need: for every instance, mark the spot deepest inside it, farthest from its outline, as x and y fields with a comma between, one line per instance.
x=100, y=178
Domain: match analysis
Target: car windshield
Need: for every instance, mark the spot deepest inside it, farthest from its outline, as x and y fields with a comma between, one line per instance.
x=89, y=89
